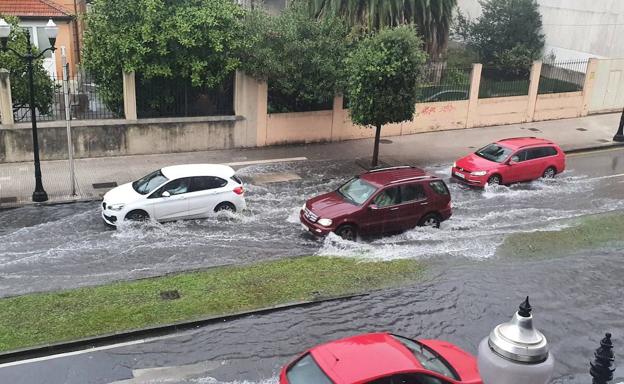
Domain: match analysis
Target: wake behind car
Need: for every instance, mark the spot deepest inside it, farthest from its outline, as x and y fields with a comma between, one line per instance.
x=177, y=192
x=510, y=161
x=383, y=358
x=379, y=201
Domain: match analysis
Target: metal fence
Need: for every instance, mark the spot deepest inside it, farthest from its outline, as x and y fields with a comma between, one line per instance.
x=84, y=98
x=443, y=83
x=280, y=102
x=159, y=97
x=497, y=82
x=562, y=76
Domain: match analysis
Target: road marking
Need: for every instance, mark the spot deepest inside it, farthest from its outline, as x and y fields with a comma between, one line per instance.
x=88, y=350
x=594, y=152
x=268, y=161
x=608, y=176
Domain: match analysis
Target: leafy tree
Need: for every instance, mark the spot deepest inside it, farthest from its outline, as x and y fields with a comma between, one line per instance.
x=383, y=73
x=431, y=17
x=300, y=57
x=508, y=35
x=18, y=72
x=166, y=42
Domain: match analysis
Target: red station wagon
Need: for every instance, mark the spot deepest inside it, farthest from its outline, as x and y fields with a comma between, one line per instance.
x=379, y=201
x=509, y=161
x=383, y=358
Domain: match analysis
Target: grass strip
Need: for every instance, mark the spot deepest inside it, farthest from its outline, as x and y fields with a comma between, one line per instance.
x=590, y=232
x=43, y=318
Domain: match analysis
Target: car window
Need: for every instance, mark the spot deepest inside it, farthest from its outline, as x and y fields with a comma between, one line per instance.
x=550, y=151
x=202, y=183
x=236, y=179
x=148, y=183
x=412, y=192
x=174, y=187
x=409, y=378
x=427, y=358
x=494, y=152
x=388, y=197
x=520, y=156
x=535, y=153
x=439, y=187
x=357, y=190
x=305, y=371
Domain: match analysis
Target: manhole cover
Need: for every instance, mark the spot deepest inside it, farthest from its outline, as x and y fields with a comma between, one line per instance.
x=534, y=130
x=385, y=141
x=109, y=184
x=581, y=129
x=170, y=295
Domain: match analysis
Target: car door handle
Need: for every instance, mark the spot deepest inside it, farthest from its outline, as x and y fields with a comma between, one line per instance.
x=394, y=209
x=425, y=203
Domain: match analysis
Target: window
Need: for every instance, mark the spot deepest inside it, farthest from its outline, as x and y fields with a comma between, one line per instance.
x=494, y=152
x=412, y=192
x=306, y=371
x=439, y=187
x=236, y=179
x=520, y=156
x=427, y=358
x=175, y=187
x=536, y=153
x=357, y=190
x=148, y=183
x=409, y=378
x=550, y=151
x=388, y=197
x=202, y=183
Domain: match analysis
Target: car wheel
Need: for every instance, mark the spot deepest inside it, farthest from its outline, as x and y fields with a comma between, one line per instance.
x=431, y=220
x=229, y=207
x=494, y=180
x=549, y=173
x=137, y=215
x=347, y=232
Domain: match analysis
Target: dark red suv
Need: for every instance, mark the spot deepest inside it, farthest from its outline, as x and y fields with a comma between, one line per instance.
x=379, y=201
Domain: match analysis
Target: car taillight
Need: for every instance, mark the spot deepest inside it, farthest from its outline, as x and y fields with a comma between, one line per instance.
x=238, y=190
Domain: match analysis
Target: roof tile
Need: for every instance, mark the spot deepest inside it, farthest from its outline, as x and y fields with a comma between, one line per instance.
x=32, y=8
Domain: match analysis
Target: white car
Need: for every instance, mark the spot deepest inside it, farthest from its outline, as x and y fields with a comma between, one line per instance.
x=178, y=192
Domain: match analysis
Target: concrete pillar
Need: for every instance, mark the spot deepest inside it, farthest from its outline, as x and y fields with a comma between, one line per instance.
x=473, y=100
x=588, y=85
x=250, y=102
x=337, y=117
x=6, y=101
x=536, y=71
x=129, y=95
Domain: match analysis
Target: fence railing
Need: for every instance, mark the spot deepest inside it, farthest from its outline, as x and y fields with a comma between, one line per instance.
x=161, y=97
x=496, y=82
x=84, y=99
x=562, y=76
x=443, y=83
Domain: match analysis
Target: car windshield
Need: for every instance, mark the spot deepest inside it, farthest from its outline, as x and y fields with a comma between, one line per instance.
x=148, y=183
x=306, y=371
x=427, y=358
x=494, y=152
x=357, y=190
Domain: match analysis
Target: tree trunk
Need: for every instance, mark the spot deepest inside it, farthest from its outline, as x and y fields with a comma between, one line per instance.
x=376, y=148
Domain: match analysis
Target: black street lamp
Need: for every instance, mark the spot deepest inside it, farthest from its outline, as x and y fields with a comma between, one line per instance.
x=39, y=195
x=619, y=135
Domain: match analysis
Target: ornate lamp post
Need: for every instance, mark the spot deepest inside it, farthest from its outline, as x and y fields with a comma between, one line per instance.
x=39, y=195
x=619, y=135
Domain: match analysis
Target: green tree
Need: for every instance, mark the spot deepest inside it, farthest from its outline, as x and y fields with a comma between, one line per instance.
x=383, y=73
x=302, y=58
x=431, y=17
x=18, y=72
x=166, y=42
x=508, y=35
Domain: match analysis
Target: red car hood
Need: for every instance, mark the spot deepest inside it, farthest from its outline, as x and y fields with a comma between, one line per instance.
x=473, y=163
x=462, y=362
x=330, y=205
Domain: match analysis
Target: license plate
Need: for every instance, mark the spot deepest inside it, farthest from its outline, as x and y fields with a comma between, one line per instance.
x=459, y=175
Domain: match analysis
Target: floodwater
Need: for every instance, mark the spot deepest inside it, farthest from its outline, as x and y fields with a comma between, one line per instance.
x=65, y=246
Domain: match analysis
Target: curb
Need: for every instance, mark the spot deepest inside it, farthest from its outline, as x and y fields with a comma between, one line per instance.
x=137, y=334
x=593, y=148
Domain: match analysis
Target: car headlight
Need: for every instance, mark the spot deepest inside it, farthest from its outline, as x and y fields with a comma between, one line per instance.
x=325, y=222
x=478, y=173
x=303, y=207
x=116, y=207
x=454, y=164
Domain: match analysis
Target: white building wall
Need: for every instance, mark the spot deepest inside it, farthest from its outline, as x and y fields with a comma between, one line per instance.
x=576, y=29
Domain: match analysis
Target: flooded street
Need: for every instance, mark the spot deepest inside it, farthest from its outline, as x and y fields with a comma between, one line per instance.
x=467, y=289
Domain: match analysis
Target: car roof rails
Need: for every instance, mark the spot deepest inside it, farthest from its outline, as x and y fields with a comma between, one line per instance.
x=413, y=179
x=389, y=168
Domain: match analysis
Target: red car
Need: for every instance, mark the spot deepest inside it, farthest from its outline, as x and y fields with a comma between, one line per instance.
x=382, y=358
x=509, y=161
x=379, y=201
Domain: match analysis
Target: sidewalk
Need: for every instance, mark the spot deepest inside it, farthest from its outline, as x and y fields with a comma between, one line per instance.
x=95, y=176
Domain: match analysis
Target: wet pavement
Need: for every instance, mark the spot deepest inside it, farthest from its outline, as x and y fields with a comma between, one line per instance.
x=467, y=291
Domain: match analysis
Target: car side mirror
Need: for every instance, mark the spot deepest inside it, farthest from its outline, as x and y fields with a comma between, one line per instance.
x=513, y=160
x=166, y=194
